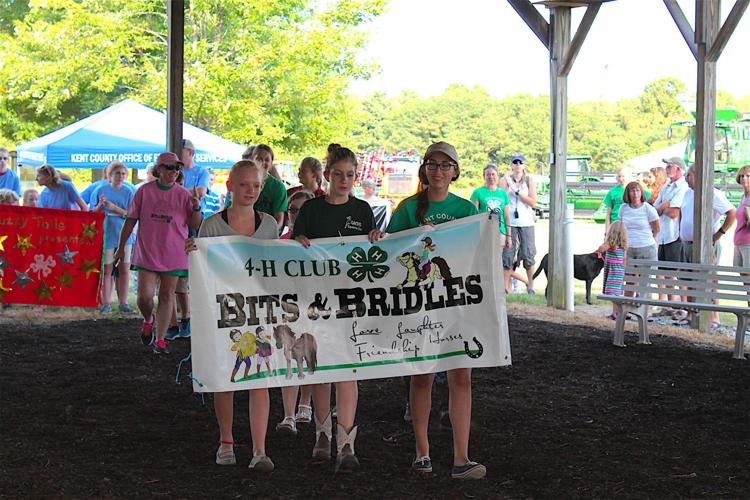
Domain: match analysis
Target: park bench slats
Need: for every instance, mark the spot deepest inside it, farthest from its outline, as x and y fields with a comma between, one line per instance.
x=703, y=284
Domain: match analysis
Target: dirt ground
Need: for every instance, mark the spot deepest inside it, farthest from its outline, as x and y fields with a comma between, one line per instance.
x=86, y=411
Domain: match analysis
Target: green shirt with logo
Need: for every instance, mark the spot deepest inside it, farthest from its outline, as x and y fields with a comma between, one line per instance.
x=493, y=202
x=452, y=208
x=319, y=219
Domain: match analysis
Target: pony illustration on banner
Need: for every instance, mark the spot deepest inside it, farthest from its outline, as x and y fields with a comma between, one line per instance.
x=303, y=348
x=423, y=268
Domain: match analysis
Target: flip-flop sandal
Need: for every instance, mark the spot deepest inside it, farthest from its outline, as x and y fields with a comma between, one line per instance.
x=682, y=322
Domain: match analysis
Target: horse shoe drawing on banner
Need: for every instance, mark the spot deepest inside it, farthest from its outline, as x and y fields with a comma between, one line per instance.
x=473, y=355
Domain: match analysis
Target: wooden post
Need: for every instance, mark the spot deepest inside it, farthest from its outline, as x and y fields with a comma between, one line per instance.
x=707, y=22
x=560, y=41
x=175, y=68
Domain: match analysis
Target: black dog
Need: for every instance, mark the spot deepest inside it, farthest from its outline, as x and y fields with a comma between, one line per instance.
x=586, y=268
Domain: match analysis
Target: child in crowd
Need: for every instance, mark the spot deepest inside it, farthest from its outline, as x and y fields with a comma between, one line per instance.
x=113, y=198
x=30, y=197
x=245, y=182
x=310, y=177
x=58, y=192
x=435, y=204
x=164, y=211
x=335, y=215
x=614, y=248
x=289, y=393
x=8, y=197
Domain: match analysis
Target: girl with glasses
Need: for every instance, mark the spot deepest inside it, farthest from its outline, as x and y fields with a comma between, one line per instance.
x=435, y=204
x=164, y=211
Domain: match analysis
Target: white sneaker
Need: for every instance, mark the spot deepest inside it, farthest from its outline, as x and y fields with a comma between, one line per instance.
x=261, y=463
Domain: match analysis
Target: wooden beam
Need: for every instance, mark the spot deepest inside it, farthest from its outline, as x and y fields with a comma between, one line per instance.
x=727, y=29
x=578, y=39
x=560, y=21
x=175, y=69
x=707, y=22
x=683, y=25
x=533, y=19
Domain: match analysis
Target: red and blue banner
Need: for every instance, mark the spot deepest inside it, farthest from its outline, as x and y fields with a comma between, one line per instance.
x=50, y=257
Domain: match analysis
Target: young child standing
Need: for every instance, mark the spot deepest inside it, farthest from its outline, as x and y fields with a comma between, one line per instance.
x=334, y=215
x=435, y=204
x=614, y=248
x=245, y=182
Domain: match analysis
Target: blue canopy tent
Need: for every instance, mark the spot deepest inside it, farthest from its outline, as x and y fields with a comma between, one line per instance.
x=129, y=132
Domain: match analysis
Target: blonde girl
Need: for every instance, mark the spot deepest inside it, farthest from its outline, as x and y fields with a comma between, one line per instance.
x=615, y=248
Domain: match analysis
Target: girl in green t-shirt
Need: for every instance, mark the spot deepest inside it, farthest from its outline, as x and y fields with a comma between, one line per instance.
x=434, y=204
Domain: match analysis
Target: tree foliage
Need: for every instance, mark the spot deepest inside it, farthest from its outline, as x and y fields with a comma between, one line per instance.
x=271, y=71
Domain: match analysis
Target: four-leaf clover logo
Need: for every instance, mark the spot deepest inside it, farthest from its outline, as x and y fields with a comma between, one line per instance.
x=367, y=264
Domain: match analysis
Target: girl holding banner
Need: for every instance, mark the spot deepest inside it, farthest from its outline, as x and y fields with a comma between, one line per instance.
x=245, y=182
x=335, y=215
x=434, y=204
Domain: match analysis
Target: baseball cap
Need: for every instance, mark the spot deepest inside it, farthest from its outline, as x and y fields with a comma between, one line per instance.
x=442, y=147
x=520, y=158
x=188, y=144
x=168, y=158
x=676, y=161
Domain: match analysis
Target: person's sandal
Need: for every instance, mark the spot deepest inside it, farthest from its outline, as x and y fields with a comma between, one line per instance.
x=287, y=426
x=304, y=414
x=226, y=456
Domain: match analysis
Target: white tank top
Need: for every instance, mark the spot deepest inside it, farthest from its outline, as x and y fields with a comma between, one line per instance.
x=525, y=212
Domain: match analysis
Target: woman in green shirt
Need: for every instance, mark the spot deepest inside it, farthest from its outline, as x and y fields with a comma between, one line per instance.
x=434, y=204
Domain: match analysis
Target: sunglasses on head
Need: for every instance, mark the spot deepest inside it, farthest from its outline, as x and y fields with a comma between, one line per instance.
x=517, y=162
x=176, y=167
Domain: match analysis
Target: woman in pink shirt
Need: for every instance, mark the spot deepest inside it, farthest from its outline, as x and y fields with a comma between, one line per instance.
x=742, y=230
x=164, y=211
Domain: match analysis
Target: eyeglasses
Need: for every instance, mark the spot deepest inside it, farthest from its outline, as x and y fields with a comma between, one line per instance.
x=293, y=210
x=517, y=162
x=443, y=165
x=4, y=158
x=174, y=167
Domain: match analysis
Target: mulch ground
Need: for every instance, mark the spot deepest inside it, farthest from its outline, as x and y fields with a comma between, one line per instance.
x=86, y=411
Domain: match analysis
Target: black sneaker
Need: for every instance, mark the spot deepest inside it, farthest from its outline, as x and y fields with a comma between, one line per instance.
x=161, y=347
x=470, y=470
x=422, y=465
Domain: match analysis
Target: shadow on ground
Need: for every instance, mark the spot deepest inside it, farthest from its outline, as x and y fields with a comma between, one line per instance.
x=87, y=411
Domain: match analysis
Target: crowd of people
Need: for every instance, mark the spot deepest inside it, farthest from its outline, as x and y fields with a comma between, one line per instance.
x=659, y=225
x=150, y=229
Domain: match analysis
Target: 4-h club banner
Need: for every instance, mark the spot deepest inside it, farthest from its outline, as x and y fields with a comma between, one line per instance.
x=50, y=257
x=273, y=313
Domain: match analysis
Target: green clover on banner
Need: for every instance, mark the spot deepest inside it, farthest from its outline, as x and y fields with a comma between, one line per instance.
x=367, y=264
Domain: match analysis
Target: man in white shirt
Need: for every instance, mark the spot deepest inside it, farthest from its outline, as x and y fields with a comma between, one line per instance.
x=668, y=206
x=722, y=207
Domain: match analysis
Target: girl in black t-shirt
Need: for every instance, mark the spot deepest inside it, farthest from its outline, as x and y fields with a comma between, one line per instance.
x=336, y=214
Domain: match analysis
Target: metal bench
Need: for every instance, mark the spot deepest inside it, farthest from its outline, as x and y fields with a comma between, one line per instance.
x=703, y=284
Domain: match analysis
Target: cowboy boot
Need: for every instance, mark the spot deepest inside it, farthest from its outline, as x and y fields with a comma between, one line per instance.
x=346, y=460
x=323, y=434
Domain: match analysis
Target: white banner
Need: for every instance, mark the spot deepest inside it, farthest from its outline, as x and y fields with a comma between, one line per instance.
x=269, y=313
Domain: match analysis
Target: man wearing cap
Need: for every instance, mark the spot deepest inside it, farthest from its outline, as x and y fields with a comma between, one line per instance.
x=522, y=195
x=668, y=205
x=195, y=175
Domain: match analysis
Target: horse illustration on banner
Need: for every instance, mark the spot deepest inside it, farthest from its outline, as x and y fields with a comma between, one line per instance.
x=303, y=348
x=435, y=268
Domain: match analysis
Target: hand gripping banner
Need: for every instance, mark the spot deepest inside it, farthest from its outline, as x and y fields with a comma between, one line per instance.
x=271, y=313
x=50, y=257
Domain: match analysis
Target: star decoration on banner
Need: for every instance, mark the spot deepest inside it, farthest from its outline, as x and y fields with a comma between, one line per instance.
x=3, y=264
x=22, y=279
x=3, y=238
x=24, y=243
x=65, y=280
x=89, y=231
x=3, y=289
x=44, y=292
x=88, y=267
x=66, y=257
